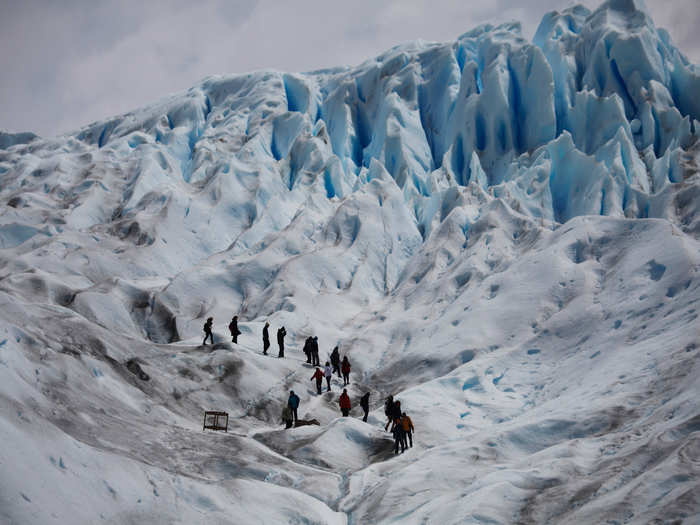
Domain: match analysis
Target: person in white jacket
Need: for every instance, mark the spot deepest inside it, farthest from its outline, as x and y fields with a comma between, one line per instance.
x=328, y=372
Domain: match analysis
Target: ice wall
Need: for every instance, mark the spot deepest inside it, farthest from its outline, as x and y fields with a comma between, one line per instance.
x=596, y=116
x=604, y=90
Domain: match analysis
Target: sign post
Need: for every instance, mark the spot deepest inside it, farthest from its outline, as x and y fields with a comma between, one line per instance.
x=215, y=420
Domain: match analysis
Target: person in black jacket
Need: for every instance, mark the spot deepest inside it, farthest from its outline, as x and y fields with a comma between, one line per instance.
x=207, y=331
x=314, y=352
x=335, y=360
x=396, y=411
x=364, y=403
x=233, y=328
x=398, y=434
x=388, y=407
x=266, y=338
x=307, y=349
x=280, y=340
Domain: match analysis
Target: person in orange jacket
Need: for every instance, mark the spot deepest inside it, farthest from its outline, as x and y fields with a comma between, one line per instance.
x=318, y=376
x=345, y=369
x=407, y=429
x=344, y=402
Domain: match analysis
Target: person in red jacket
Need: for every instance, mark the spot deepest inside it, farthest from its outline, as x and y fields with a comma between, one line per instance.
x=318, y=376
x=345, y=369
x=344, y=402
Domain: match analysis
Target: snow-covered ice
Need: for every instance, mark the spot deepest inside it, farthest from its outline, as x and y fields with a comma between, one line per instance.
x=503, y=234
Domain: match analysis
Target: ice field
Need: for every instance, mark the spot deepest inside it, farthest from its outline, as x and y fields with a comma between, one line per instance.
x=503, y=234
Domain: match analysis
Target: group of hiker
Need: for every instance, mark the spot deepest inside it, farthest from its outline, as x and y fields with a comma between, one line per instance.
x=232, y=326
x=281, y=332
x=328, y=371
x=235, y=332
x=290, y=410
x=310, y=349
x=401, y=424
x=402, y=428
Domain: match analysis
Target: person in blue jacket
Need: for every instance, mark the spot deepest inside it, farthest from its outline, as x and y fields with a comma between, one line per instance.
x=293, y=403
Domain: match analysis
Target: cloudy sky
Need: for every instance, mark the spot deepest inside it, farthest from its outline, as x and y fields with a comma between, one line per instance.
x=66, y=64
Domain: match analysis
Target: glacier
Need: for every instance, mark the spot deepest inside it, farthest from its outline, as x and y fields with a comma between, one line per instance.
x=503, y=234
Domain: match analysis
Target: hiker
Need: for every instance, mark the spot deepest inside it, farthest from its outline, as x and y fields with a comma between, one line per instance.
x=280, y=340
x=335, y=360
x=266, y=338
x=307, y=349
x=314, y=352
x=287, y=416
x=344, y=403
x=388, y=407
x=408, y=429
x=396, y=411
x=318, y=376
x=233, y=328
x=207, y=331
x=328, y=372
x=345, y=368
x=364, y=403
x=397, y=432
x=293, y=403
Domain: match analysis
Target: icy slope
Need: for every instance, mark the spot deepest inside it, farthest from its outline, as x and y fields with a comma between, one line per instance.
x=504, y=234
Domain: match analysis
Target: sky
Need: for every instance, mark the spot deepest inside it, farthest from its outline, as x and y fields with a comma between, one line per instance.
x=67, y=64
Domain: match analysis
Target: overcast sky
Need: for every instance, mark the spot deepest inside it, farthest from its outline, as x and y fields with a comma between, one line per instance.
x=66, y=64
